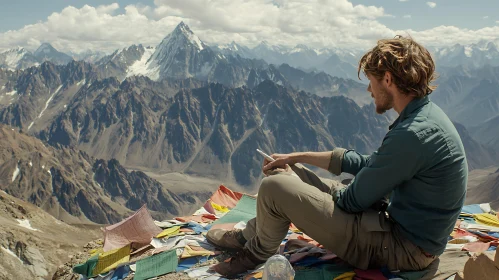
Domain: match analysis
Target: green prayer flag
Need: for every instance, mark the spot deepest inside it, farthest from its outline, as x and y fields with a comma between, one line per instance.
x=156, y=265
x=87, y=267
x=245, y=210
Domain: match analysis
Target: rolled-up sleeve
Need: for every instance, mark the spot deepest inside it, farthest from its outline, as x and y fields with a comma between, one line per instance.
x=397, y=160
x=335, y=164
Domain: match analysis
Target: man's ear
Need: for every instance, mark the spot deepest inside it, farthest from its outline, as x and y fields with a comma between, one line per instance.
x=388, y=79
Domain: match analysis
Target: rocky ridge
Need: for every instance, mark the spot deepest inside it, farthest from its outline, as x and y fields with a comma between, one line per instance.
x=77, y=188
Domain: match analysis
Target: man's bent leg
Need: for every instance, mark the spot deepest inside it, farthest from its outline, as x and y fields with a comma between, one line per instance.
x=307, y=176
x=284, y=199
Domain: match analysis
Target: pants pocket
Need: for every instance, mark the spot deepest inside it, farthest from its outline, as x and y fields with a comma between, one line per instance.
x=371, y=220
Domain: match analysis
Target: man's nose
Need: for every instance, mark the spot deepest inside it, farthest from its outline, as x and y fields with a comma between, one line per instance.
x=369, y=87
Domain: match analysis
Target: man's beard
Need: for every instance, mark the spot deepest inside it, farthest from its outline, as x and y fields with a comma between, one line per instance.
x=385, y=102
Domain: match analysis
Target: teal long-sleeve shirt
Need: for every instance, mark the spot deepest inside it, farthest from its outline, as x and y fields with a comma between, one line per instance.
x=422, y=164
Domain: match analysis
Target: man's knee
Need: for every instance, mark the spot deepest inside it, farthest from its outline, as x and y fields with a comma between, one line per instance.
x=272, y=185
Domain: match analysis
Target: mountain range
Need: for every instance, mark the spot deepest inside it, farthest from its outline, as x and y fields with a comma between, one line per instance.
x=180, y=126
x=470, y=96
x=20, y=58
x=474, y=55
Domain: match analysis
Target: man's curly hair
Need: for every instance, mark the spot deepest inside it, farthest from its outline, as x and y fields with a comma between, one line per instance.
x=411, y=65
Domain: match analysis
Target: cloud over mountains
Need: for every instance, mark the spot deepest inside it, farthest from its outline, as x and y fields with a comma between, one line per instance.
x=318, y=23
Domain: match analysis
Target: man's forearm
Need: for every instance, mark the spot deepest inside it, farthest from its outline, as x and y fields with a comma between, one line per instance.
x=319, y=159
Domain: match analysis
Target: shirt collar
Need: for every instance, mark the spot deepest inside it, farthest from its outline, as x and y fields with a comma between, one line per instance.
x=415, y=104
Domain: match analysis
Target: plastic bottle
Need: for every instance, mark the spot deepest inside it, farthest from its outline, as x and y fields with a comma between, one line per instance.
x=278, y=267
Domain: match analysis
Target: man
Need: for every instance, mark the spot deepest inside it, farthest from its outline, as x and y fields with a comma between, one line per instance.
x=420, y=164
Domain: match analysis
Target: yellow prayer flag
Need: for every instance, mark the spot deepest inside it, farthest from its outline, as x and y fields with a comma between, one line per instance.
x=346, y=276
x=487, y=219
x=189, y=252
x=111, y=259
x=220, y=208
x=169, y=232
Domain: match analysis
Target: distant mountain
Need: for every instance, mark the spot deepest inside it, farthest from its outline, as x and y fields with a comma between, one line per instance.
x=20, y=58
x=337, y=63
x=75, y=187
x=30, y=99
x=183, y=55
x=37, y=94
x=323, y=84
x=478, y=155
x=121, y=61
x=487, y=133
x=88, y=56
x=48, y=53
x=469, y=96
x=180, y=55
x=475, y=55
x=234, y=49
x=335, y=66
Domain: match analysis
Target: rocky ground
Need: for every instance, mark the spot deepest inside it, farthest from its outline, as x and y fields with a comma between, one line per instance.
x=33, y=243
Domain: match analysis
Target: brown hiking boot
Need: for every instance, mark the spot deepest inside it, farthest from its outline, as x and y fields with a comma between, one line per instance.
x=243, y=261
x=226, y=239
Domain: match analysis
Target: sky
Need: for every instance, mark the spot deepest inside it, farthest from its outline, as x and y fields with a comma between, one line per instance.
x=106, y=25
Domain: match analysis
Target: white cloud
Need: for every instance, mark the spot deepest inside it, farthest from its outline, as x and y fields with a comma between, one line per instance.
x=403, y=0
x=317, y=23
x=431, y=4
x=407, y=16
x=485, y=17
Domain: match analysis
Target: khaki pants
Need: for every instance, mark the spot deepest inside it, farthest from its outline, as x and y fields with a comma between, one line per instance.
x=364, y=240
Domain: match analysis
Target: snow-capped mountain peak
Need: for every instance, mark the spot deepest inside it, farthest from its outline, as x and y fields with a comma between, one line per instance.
x=181, y=54
x=264, y=46
x=44, y=49
x=48, y=53
x=16, y=58
x=181, y=32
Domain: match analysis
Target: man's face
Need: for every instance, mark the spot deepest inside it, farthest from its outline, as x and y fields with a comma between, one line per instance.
x=382, y=97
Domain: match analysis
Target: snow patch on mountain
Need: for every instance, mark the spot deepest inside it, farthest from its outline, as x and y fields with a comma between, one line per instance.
x=11, y=93
x=16, y=173
x=11, y=253
x=468, y=51
x=140, y=67
x=26, y=224
x=195, y=40
x=48, y=101
x=12, y=57
x=82, y=82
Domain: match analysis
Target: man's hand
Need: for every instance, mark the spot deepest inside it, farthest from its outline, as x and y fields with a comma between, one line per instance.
x=280, y=164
